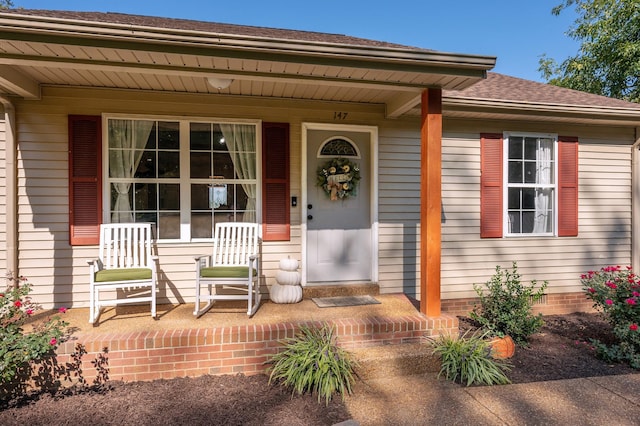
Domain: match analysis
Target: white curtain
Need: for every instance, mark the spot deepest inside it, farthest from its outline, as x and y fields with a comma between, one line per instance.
x=543, y=196
x=127, y=139
x=241, y=141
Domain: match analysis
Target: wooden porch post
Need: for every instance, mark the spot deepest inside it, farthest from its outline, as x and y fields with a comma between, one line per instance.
x=430, y=201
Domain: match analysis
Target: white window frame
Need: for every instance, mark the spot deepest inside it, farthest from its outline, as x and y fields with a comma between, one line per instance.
x=185, y=180
x=506, y=185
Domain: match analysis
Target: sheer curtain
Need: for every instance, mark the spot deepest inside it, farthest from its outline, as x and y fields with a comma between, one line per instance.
x=127, y=139
x=241, y=141
x=543, y=195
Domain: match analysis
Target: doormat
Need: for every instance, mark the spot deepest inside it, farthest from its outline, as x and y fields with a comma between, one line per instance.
x=339, y=301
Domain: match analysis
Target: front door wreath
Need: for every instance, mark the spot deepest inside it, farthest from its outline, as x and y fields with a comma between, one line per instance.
x=339, y=178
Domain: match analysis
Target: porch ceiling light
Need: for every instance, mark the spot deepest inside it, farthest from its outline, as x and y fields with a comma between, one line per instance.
x=219, y=83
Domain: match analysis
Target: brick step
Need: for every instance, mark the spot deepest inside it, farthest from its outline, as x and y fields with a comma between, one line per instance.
x=395, y=360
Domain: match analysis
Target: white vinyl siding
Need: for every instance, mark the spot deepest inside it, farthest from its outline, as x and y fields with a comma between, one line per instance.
x=604, y=217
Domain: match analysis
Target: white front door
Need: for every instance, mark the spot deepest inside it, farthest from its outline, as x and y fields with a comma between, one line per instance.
x=339, y=236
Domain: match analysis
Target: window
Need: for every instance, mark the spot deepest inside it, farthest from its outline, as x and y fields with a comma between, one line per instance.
x=530, y=184
x=534, y=191
x=184, y=176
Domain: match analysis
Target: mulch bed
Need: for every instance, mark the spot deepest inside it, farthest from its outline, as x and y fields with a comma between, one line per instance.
x=560, y=351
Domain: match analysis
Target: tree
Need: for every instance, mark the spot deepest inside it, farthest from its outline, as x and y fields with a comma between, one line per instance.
x=608, y=61
x=6, y=4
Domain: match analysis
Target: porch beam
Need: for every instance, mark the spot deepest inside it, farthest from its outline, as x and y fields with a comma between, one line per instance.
x=430, y=201
x=18, y=82
x=401, y=104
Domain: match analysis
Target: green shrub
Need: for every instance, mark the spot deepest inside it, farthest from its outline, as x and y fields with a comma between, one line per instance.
x=312, y=362
x=505, y=305
x=468, y=359
x=20, y=348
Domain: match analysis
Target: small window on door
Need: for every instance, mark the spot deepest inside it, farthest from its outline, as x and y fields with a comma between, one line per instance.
x=338, y=146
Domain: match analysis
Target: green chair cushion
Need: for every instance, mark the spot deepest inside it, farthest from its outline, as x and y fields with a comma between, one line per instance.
x=125, y=274
x=226, y=272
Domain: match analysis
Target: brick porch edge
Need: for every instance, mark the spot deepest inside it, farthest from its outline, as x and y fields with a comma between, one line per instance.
x=233, y=349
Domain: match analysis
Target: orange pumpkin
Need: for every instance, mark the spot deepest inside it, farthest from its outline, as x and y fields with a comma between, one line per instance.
x=502, y=347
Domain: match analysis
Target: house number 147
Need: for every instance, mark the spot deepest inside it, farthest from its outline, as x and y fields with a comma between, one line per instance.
x=337, y=115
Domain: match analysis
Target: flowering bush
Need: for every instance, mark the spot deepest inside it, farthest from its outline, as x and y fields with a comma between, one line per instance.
x=18, y=348
x=615, y=291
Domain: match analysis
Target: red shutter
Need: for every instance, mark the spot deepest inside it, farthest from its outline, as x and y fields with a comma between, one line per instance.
x=491, y=185
x=275, y=182
x=85, y=183
x=567, y=186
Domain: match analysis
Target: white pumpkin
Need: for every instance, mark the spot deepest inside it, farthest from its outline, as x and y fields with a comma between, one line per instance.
x=285, y=293
x=288, y=278
x=289, y=264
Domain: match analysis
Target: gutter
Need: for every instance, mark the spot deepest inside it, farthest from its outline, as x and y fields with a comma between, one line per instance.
x=540, y=107
x=635, y=203
x=70, y=31
x=11, y=202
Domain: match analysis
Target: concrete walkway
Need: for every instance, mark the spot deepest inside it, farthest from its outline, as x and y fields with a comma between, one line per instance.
x=426, y=400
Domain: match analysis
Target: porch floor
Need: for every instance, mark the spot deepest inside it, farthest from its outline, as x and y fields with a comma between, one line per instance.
x=226, y=341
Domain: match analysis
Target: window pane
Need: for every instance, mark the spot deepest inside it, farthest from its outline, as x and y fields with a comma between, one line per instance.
x=200, y=136
x=514, y=199
x=529, y=172
x=241, y=197
x=200, y=195
x=223, y=165
x=530, y=148
x=152, y=139
x=514, y=222
x=169, y=226
x=121, y=189
x=169, y=197
x=527, y=222
x=528, y=198
x=168, y=164
x=515, y=171
x=219, y=142
x=515, y=148
x=201, y=225
x=147, y=165
x=201, y=165
x=145, y=196
x=168, y=135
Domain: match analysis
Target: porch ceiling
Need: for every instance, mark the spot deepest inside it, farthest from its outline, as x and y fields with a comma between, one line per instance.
x=37, y=51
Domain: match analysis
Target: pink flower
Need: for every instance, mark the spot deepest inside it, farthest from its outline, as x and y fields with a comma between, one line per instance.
x=53, y=341
x=633, y=327
x=592, y=290
x=611, y=285
x=609, y=302
x=631, y=301
x=17, y=303
x=29, y=311
x=62, y=310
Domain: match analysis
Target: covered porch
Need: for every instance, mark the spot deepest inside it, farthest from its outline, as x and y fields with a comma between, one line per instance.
x=226, y=341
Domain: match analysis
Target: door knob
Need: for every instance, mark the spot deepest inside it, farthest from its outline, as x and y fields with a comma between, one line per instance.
x=309, y=206
x=310, y=217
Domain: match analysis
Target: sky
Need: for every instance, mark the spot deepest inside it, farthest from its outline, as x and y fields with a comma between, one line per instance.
x=517, y=32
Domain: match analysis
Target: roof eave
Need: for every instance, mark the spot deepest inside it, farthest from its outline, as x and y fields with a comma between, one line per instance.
x=68, y=31
x=581, y=113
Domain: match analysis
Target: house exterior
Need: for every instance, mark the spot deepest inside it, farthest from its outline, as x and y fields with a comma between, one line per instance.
x=443, y=170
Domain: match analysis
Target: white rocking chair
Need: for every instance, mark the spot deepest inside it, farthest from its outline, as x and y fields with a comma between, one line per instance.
x=125, y=263
x=235, y=264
